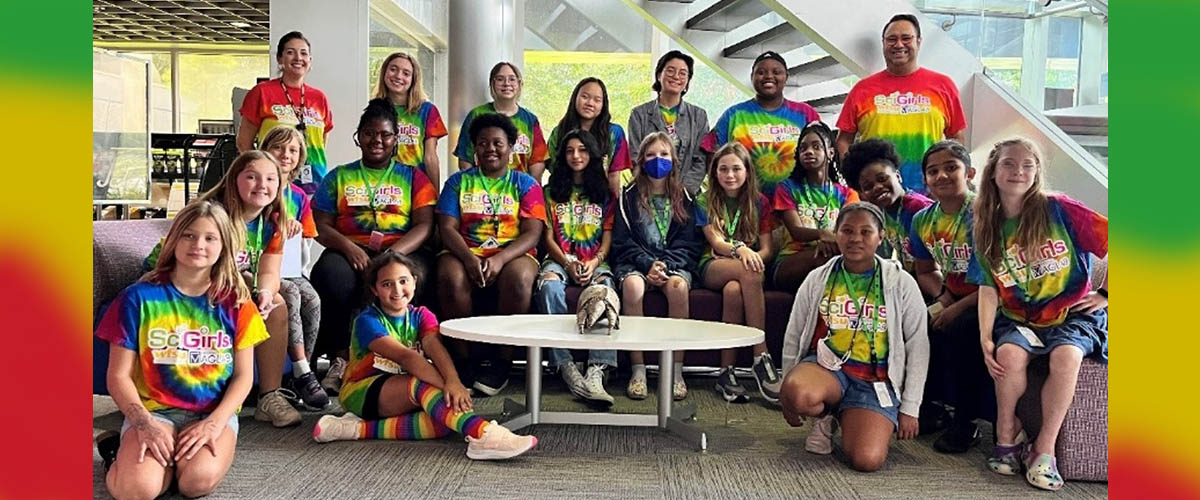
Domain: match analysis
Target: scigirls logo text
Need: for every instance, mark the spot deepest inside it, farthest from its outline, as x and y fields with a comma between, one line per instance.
x=189, y=347
x=902, y=104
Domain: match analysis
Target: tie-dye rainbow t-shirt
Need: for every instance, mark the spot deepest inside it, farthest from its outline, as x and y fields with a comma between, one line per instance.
x=299, y=207
x=944, y=238
x=896, y=230
x=267, y=107
x=839, y=311
x=618, y=150
x=769, y=136
x=184, y=345
x=364, y=365
x=1061, y=267
x=818, y=207
x=489, y=211
x=912, y=111
x=530, y=148
x=670, y=116
x=415, y=127
x=766, y=224
x=578, y=225
x=364, y=199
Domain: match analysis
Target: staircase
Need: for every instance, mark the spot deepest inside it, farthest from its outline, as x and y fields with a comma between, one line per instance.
x=831, y=45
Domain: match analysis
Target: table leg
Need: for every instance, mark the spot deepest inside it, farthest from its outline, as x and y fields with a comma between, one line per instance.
x=530, y=413
x=674, y=423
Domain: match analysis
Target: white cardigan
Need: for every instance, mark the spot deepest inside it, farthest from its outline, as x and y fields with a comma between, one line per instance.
x=908, y=342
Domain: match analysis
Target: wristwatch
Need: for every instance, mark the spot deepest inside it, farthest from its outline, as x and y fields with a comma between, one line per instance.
x=736, y=245
x=1102, y=292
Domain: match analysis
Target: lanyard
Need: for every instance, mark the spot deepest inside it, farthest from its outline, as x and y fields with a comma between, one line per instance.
x=731, y=224
x=826, y=201
x=943, y=259
x=256, y=249
x=298, y=111
x=662, y=216
x=371, y=190
x=575, y=223
x=407, y=337
x=876, y=277
x=489, y=186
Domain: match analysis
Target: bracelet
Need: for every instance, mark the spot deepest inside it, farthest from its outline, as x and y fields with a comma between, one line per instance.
x=571, y=258
x=1103, y=293
x=736, y=245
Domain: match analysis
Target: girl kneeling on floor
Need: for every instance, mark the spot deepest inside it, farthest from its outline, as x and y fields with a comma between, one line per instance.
x=181, y=359
x=656, y=241
x=739, y=244
x=1031, y=261
x=856, y=346
x=390, y=389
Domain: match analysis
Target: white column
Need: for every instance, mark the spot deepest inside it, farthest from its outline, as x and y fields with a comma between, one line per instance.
x=482, y=33
x=1092, y=50
x=338, y=32
x=1033, y=61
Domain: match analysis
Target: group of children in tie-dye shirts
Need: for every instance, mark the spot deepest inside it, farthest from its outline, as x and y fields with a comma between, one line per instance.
x=780, y=211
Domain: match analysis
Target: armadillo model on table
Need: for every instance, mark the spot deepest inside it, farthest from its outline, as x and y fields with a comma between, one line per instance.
x=598, y=302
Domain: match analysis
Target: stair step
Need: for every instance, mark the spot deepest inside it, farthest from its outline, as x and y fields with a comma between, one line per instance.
x=726, y=15
x=833, y=100
x=780, y=38
x=816, y=71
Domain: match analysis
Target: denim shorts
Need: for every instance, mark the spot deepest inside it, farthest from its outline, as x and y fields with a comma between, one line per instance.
x=861, y=394
x=550, y=266
x=178, y=419
x=1088, y=332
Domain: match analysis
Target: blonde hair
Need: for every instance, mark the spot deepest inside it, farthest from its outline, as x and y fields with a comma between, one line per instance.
x=226, y=283
x=1032, y=223
x=496, y=70
x=282, y=135
x=675, y=192
x=226, y=193
x=416, y=94
x=747, y=199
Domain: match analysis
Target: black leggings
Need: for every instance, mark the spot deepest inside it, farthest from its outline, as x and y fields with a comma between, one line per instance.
x=957, y=373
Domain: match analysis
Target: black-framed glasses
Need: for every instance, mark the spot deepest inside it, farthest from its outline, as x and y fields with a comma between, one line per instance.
x=371, y=135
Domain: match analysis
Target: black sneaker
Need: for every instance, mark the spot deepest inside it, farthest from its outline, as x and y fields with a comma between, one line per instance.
x=107, y=444
x=492, y=380
x=934, y=417
x=959, y=438
x=310, y=391
x=729, y=388
x=767, y=377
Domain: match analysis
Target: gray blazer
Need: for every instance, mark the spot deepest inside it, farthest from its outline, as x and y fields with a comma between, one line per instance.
x=690, y=127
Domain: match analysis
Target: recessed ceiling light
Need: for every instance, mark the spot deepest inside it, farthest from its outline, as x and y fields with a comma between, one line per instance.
x=239, y=24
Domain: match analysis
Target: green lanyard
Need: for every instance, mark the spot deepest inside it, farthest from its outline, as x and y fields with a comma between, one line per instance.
x=371, y=190
x=875, y=278
x=489, y=186
x=662, y=216
x=731, y=225
x=943, y=259
x=826, y=200
x=255, y=250
x=408, y=337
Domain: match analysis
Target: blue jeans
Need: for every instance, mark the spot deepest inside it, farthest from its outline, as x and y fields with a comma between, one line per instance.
x=550, y=297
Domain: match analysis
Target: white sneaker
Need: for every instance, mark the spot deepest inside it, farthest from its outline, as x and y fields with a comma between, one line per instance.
x=331, y=428
x=273, y=407
x=498, y=443
x=679, y=388
x=820, y=438
x=594, y=383
x=332, y=382
x=574, y=380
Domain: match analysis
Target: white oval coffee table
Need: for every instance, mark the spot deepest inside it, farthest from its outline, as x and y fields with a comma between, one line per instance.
x=637, y=333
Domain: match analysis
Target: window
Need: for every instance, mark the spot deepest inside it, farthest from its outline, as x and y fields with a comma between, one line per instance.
x=206, y=83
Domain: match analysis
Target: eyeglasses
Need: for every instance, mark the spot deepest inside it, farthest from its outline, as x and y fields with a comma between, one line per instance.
x=505, y=79
x=371, y=135
x=904, y=39
x=674, y=72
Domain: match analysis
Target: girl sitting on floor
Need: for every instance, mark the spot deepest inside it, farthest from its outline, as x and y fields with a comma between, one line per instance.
x=855, y=346
x=656, y=242
x=181, y=359
x=1031, y=262
x=390, y=389
x=739, y=240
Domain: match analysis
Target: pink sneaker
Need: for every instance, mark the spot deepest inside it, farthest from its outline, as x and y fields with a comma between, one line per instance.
x=498, y=443
x=820, y=437
x=331, y=428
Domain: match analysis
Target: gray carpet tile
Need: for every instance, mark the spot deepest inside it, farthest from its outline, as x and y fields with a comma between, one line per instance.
x=752, y=454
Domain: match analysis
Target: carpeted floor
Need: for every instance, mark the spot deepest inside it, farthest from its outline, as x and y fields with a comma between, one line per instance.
x=752, y=454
